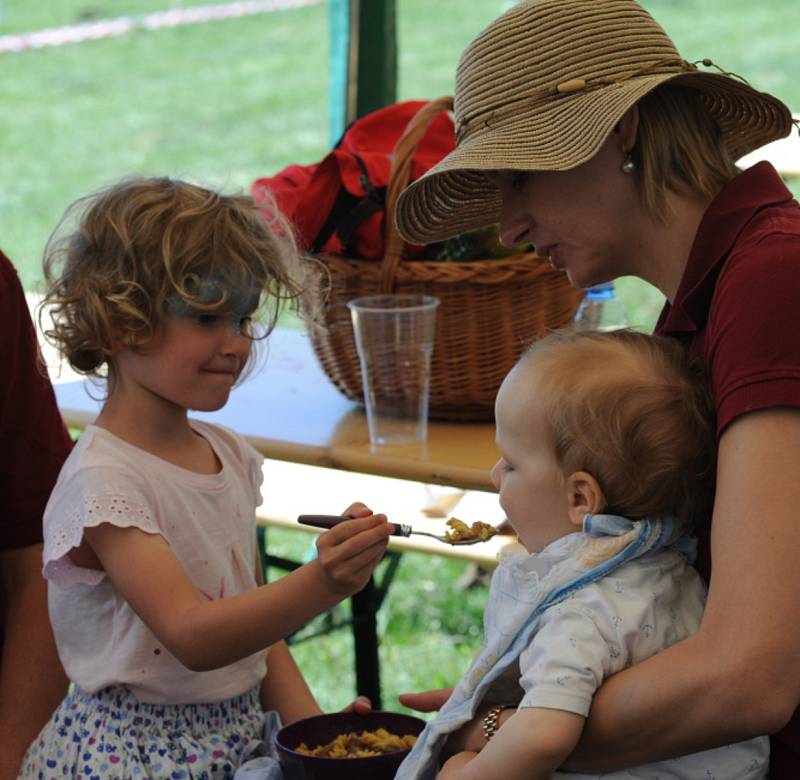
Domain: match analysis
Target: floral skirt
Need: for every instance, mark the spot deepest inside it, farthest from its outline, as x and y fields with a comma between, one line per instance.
x=111, y=734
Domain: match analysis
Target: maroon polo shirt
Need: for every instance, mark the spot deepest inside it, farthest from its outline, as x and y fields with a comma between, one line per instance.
x=738, y=307
x=33, y=440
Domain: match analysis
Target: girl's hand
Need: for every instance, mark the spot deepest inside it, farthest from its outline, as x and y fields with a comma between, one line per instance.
x=349, y=552
x=357, y=510
x=361, y=705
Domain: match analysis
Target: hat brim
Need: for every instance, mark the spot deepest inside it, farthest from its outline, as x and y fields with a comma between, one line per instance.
x=455, y=196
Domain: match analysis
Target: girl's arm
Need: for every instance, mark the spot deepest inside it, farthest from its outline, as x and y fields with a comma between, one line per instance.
x=284, y=689
x=530, y=745
x=209, y=634
x=737, y=677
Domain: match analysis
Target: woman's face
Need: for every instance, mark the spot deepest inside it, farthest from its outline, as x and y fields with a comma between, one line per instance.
x=584, y=219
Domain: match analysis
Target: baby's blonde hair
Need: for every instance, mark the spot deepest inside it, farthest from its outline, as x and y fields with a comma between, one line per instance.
x=145, y=242
x=636, y=412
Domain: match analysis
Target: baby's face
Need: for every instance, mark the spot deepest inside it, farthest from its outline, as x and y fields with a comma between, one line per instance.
x=532, y=486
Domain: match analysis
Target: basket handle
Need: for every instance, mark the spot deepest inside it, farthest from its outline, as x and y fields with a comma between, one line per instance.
x=399, y=174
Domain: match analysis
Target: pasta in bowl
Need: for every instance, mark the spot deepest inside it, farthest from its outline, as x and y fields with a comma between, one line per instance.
x=344, y=744
x=363, y=745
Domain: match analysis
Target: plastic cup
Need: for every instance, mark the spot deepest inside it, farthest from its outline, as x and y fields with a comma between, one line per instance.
x=395, y=338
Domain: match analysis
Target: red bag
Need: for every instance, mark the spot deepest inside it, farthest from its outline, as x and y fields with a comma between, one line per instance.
x=337, y=205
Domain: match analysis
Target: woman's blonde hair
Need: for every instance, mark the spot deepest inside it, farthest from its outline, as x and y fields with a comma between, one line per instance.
x=636, y=412
x=679, y=148
x=142, y=245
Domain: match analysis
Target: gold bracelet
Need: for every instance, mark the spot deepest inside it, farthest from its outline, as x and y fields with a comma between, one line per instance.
x=491, y=719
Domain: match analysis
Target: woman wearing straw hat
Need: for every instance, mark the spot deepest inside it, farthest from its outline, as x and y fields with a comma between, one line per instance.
x=583, y=131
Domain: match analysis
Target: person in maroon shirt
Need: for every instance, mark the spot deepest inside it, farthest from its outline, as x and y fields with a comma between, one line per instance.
x=582, y=131
x=33, y=445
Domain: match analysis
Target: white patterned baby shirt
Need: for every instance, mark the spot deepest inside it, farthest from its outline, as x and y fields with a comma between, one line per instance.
x=642, y=607
x=638, y=608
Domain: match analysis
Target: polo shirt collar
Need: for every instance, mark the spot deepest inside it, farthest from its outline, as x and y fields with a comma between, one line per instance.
x=734, y=206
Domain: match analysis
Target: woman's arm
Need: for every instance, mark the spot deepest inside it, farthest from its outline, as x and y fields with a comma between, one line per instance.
x=32, y=682
x=737, y=677
x=209, y=634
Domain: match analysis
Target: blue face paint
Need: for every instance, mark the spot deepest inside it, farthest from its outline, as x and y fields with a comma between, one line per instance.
x=213, y=297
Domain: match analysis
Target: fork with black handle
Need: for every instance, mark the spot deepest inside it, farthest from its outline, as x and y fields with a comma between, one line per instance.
x=329, y=521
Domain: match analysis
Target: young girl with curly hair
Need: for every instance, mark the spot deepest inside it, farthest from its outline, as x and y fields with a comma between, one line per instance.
x=174, y=645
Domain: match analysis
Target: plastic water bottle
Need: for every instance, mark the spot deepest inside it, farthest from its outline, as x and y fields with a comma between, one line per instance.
x=601, y=310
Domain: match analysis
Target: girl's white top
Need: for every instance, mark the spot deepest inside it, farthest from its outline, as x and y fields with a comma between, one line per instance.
x=207, y=520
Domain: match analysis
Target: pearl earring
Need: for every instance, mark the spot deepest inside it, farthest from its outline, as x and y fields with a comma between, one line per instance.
x=628, y=165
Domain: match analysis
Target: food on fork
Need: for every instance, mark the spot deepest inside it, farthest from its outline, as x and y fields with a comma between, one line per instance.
x=461, y=532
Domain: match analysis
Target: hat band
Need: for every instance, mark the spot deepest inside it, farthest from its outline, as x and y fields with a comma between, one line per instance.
x=487, y=117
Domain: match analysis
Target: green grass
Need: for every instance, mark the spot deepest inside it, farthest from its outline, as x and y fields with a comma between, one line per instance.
x=221, y=103
x=226, y=102
x=19, y=16
x=205, y=102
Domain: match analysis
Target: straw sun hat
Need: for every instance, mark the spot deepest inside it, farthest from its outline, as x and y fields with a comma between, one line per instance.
x=543, y=86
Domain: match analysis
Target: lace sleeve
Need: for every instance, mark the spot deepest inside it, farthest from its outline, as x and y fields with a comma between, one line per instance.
x=94, y=497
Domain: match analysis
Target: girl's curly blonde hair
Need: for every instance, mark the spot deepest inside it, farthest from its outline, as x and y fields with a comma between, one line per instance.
x=144, y=243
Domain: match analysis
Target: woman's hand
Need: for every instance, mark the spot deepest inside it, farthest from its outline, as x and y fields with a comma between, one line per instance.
x=469, y=738
x=426, y=701
x=350, y=551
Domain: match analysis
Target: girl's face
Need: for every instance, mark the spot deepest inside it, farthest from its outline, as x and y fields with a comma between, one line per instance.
x=533, y=488
x=192, y=363
x=583, y=219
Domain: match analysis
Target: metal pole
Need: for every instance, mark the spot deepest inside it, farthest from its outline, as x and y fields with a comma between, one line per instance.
x=377, y=55
x=363, y=60
x=339, y=68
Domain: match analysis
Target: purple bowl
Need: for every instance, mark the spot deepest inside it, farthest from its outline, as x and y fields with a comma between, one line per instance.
x=320, y=729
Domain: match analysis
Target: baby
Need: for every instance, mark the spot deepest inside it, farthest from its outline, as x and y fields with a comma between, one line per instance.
x=607, y=458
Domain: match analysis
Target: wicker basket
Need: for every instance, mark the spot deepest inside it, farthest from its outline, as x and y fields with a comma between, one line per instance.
x=490, y=311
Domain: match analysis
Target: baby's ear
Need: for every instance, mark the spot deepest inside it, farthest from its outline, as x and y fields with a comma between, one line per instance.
x=583, y=496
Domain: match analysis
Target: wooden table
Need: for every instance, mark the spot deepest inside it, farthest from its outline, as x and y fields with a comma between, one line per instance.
x=289, y=410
